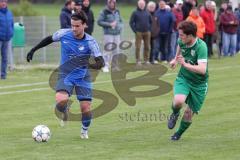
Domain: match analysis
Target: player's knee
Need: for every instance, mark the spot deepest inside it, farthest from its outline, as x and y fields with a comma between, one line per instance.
x=61, y=98
x=179, y=102
x=188, y=115
x=85, y=107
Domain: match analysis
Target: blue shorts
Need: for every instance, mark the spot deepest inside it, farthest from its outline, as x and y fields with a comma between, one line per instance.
x=82, y=87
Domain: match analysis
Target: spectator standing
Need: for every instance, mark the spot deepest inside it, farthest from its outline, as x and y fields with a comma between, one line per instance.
x=195, y=18
x=140, y=23
x=208, y=18
x=65, y=15
x=177, y=11
x=166, y=21
x=6, y=33
x=221, y=10
x=155, y=28
x=78, y=6
x=111, y=22
x=229, y=24
x=237, y=14
x=86, y=7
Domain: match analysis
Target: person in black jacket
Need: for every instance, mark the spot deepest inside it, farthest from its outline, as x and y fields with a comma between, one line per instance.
x=65, y=16
x=90, y=23
x=140, y=23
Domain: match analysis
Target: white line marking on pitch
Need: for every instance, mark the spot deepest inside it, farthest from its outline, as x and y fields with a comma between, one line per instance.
x=101, y=82
x=23, y=85
x=24, y=91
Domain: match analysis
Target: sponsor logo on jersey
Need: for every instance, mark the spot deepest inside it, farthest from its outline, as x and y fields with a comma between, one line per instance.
x=81, y=48
x=193, y=52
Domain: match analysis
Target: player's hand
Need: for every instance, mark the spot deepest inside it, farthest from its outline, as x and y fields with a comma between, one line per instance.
x=30, y=55
x=173, y=63
x=181, y=60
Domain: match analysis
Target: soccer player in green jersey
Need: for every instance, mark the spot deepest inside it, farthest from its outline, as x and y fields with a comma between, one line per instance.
x=191, y=84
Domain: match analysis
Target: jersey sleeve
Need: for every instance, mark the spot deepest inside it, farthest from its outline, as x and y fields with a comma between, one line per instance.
x=59, y=34
x=202, y=53
x=94, y=48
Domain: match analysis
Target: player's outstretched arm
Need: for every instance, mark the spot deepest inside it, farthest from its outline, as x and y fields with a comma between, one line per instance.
x=99, y=63
x=46, y=41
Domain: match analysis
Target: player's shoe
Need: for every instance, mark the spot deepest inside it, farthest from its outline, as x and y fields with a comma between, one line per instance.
x=172, y=120
x=84, y=134
x=175, y=137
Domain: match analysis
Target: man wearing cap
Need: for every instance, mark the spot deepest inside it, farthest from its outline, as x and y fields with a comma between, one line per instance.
x=6, y=33
x=78, y=5
x=111, y=22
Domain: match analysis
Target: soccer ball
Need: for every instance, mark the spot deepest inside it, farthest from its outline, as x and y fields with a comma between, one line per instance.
x=41, y=133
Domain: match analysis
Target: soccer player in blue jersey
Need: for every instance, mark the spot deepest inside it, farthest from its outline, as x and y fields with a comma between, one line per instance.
x=76, y=49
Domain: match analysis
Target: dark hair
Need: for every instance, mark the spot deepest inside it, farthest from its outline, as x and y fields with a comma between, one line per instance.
x=171, y=5
x=79, y=15
x=188, y=28
x=68, y=2
x=229, y=8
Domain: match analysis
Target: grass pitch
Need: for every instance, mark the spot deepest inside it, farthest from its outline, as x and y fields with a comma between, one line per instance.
x=26, y=101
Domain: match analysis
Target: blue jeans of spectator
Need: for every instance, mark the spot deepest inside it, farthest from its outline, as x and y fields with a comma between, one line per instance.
x=229, y=44
x=154, y=52
x=173, y=44
x=238, y=41
x=10, y=56
x=164, y=46
x=4, y=53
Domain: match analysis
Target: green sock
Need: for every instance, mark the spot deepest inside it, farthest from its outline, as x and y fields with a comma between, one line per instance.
x=175, y=109
x=183, y=127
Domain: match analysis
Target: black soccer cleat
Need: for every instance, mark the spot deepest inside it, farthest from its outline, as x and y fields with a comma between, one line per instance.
x=172, y=120
x=175, y=137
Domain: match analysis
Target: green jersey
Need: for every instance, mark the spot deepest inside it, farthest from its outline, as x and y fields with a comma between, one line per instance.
x=193, y=55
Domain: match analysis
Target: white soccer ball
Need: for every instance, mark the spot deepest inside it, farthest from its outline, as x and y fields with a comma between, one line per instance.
x=41, y=133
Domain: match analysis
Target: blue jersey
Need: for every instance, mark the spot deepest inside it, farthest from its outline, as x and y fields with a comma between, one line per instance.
x=72, y=72
x=72, y=47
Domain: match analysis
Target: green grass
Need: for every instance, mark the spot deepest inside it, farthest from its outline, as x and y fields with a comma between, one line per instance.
x=213, y=135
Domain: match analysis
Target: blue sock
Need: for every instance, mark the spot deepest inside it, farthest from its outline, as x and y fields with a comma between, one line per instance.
x=86, y=120
x=61, y=108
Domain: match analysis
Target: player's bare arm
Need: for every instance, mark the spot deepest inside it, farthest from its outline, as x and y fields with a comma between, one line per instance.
x=200, y=68
x=173, y=63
